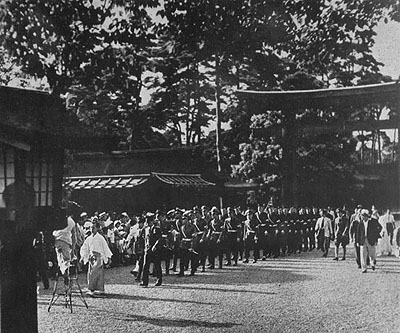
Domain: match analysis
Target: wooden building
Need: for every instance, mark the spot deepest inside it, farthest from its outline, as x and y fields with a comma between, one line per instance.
x=135, y=181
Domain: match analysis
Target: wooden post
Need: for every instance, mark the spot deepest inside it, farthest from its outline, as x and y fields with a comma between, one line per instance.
x=218, y=115
x=397, y=108
x=289, y=182
x=218, y=142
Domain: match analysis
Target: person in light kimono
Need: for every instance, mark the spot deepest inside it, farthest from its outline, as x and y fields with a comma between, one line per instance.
x=96, y=252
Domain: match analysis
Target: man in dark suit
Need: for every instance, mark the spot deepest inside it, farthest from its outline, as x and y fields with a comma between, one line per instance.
x=152, y=250
x=367, y=237
x=355, y=219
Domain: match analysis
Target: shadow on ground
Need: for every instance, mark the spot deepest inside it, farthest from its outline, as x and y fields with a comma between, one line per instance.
x=167, y=322
x=44, y=299
x=247, y=275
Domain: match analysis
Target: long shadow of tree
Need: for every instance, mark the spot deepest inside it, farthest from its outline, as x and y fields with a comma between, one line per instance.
x=227, y=278
x=167, y=322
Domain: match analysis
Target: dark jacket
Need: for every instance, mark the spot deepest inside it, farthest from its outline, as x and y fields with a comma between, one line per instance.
x=372, y=234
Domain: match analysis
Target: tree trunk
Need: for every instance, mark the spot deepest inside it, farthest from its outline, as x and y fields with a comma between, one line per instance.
x=218, y=113
x=135, y=111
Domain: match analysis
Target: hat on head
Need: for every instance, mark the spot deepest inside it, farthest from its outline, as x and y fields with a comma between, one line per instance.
x=160, y=212
x=215, y=210
x=87, y=224
x=178, y=210
x=149, y=214
x=359, y=206
x=83, y=214
x=188, y=213
x=365, y=213
x=124, y=214
x=108, y=222
x=171, y=212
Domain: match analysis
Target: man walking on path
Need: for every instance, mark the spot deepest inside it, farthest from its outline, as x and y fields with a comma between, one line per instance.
x=367, y=237
x=388, y=220
x=324, y=228
x=355, y=219
x=152, y=246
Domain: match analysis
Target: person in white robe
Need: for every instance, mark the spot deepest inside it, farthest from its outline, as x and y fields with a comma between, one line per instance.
x=64, y=244
x=96, y=252
x=384, y=247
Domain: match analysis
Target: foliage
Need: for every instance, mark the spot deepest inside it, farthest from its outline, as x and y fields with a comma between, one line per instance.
x=96, y=52
x=99, y=55
x=322, y=161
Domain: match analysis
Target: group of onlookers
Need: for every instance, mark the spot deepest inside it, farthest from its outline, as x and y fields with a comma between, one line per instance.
x=201, y=237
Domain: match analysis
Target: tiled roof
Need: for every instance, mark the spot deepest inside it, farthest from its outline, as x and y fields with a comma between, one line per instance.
x=105, y=182
x=129, y=181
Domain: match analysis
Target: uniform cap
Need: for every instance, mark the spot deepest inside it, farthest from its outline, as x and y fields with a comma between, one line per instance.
x=160, y=212
x=365, y=213
x=215, y=210
x=171, y=212
x=188, y=213
x=87, y=224
x=108, y=222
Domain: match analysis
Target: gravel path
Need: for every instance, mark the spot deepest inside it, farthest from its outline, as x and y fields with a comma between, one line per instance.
x=300, y=293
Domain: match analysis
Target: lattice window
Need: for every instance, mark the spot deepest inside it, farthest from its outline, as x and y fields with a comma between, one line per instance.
x=7, y=169
x=39, y=173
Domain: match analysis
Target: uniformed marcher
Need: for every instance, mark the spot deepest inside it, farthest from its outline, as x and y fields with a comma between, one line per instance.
x=167, y=239
x=276, y=239
x=176, y=235
x=233, y=233
x=250, y=236
x=241, y=218
x=215, y=239
x=262, y=217
x=187, y=253
x=200, y=237
x=152, y=250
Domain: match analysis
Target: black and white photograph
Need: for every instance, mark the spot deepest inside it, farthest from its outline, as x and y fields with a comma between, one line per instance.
x=199, y=166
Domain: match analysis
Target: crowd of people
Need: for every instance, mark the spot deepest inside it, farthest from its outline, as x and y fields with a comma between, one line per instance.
x=189, y=241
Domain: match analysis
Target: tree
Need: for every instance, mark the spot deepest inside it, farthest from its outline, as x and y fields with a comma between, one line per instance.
x=96, y=51
x=181, y=96
x=217, y=36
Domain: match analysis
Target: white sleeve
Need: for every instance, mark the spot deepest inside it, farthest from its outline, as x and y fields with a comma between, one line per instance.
x=106, y=251
x=317, y=224
x=85, y=251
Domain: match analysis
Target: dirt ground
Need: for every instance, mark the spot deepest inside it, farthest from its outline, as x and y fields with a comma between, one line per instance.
x=299, y=293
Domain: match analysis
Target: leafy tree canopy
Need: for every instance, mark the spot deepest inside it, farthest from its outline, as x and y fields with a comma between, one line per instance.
x=98, y=54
